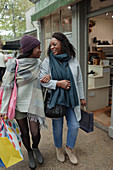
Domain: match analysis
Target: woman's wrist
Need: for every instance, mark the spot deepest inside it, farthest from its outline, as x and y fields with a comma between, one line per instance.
x=58, y=84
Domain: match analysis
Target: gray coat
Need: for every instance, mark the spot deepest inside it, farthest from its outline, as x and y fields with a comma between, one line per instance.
x=76, y=71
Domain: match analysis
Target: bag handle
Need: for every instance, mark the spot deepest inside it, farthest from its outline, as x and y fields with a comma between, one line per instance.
x=1, y=124
x=84, y=108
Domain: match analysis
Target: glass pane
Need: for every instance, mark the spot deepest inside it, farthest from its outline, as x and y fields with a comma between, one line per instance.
x=98, y=4
x=47, y=27
x=66, y=15
x=47, y=42
x=56, y=22
x=101, y=33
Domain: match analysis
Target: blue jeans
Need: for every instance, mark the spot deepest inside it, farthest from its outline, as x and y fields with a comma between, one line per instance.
x=73, y=126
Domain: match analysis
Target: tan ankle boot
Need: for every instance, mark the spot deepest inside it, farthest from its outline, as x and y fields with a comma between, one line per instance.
x=60, y=154
x=71, y=156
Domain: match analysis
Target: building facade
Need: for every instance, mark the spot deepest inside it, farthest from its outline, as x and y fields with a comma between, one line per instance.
x=72, y=18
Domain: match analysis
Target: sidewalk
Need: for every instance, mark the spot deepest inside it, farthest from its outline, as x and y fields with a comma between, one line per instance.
x=94, y=152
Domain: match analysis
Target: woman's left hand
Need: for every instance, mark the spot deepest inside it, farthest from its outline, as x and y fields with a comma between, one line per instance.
x=83, y=102
x=46, y=79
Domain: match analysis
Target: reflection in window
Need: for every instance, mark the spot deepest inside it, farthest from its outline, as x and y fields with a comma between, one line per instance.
x=47, y=27
x=66, y=20
x=56, y=22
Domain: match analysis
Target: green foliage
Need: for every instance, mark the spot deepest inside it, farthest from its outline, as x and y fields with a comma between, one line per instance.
x=6, y=17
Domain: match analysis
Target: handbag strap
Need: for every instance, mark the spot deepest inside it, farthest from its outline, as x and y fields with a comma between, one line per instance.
x=16, y=69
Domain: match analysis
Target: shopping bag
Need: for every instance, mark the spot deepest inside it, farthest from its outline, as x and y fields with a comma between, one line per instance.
x=10, y=143
x=12, y=103
x=86, y=122
x=1, y=163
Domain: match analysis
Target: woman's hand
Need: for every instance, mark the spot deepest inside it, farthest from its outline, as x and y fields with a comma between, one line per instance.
x=65, y=84
x=45, y=79
x=83, y=102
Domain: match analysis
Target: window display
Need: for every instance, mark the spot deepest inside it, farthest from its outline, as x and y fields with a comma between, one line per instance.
x=56, y=22
x=66, y=20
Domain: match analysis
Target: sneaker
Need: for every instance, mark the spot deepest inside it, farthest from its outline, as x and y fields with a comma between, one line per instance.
x=71, y=156
x=38, y=155
x=60, y=154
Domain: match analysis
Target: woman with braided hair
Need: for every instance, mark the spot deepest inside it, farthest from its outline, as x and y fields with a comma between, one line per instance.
x=29, y=112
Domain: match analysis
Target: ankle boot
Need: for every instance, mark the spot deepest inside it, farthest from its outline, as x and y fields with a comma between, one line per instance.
x=38, y=155
x=32, y=163
x=71, y=156
x=60, y=154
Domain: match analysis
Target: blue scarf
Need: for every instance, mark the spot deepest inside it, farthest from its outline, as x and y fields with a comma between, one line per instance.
x=62, y=71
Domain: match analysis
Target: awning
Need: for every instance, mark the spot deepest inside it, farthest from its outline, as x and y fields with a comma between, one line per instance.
x=50, y=8
x=12, y=45
x=15, y=43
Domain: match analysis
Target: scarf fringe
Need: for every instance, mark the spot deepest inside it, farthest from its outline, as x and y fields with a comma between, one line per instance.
x=35, y=118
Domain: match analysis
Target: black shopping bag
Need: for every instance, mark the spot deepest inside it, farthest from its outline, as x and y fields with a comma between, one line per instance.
x=87, y=121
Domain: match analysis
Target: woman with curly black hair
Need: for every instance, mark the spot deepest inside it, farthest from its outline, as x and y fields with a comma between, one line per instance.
x=66, y=89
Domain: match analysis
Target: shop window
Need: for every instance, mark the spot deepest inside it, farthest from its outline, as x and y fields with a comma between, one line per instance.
x=47, y=42
x=47, y=33
x=51, y=25
x=66, y=21
x=47, y=27
x=55, y=22
x=98, y=4
x=101, y=30
x=100, y=59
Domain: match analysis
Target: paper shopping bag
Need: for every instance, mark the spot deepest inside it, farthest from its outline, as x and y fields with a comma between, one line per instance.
x=1, y=163
x=10, y=150
x=86, y=122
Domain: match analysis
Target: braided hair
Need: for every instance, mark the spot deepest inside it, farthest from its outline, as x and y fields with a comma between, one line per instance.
x=25, y=55
x=66, y=46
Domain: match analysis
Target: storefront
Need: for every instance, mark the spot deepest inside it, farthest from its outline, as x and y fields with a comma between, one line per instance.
x=68, y=17
x=101, y=47
x=73, y=19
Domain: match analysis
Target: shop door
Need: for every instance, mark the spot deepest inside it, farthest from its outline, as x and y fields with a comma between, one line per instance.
x=100, y=67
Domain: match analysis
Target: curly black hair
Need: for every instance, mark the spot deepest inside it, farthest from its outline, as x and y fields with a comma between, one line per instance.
x=66, y=46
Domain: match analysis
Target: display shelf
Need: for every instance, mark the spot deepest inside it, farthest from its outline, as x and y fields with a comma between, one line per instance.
x=108, y=49
x=98, y=87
